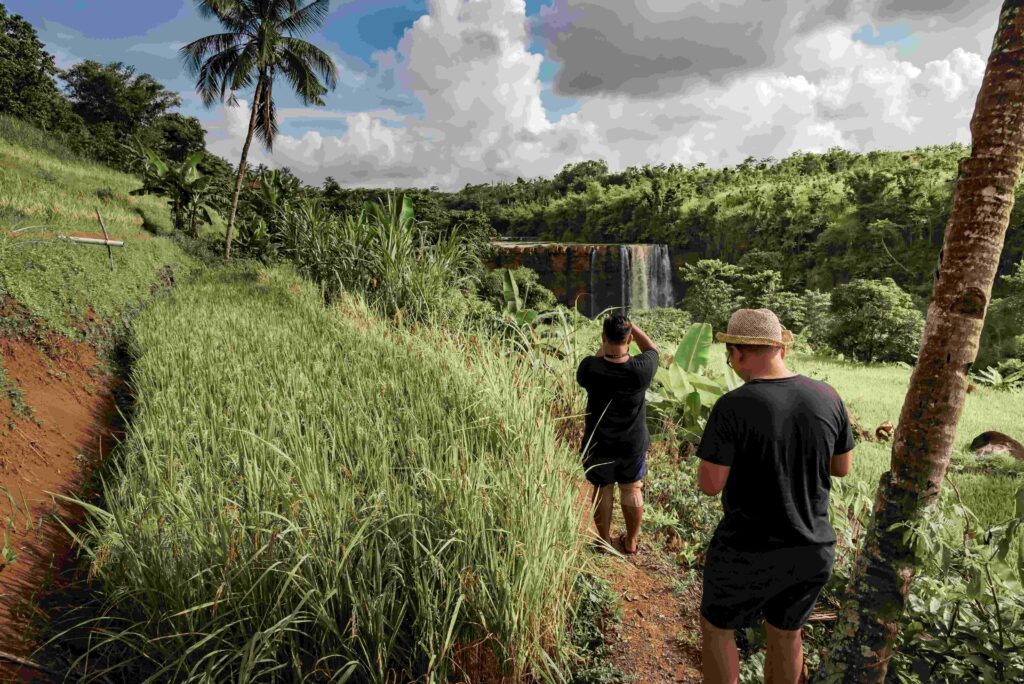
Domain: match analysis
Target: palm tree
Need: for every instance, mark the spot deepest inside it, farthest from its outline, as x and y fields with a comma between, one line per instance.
x=260, y=43
x=924, y=438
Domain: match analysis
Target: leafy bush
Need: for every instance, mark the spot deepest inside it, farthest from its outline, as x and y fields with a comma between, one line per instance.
x=717, y=289
x=875, y=320
x=966, y=608
x=763, y=290
x=663, y=324
x=533, y=294
x=818, y=321
x=1003, y=334
x=683, y=393
x=1008, y=375
x=711, y=294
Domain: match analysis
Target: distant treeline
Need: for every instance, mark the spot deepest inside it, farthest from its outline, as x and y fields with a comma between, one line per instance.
x=820, y=219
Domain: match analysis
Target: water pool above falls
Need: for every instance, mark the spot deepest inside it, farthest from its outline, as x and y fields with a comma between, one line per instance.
x=595, y=277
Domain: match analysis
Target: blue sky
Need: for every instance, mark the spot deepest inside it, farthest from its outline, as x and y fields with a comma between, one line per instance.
x=356, y=30
x=487, y=91
x=140, y=32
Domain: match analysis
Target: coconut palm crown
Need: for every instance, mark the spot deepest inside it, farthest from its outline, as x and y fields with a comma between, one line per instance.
x=262, y=41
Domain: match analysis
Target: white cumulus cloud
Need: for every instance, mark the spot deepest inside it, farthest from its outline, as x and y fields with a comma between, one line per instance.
x=469, y=65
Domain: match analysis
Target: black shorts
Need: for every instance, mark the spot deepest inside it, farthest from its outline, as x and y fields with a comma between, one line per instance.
x=602, y=471
x=783, y=584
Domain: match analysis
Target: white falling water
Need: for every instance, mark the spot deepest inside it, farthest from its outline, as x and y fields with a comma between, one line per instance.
x=592, y=304
x=660, y=290
x=627, y=277
x=646, y=277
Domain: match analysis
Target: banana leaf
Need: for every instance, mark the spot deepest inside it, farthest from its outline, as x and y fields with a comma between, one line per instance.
x=694, y=350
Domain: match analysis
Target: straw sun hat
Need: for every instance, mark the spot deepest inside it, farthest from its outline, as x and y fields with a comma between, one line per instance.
x=756, y=326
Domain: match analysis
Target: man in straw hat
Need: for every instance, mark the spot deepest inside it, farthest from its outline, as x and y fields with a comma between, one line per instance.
x=615, y=437
x=771, y=446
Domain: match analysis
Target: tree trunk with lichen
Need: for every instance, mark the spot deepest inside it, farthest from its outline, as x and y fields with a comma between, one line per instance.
x=868, y=626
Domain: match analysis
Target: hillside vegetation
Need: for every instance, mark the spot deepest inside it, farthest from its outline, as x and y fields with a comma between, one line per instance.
x=307, y=490
x=71, y=287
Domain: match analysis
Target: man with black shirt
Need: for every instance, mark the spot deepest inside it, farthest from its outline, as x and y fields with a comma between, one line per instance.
x=772, y=446
x=615, y=438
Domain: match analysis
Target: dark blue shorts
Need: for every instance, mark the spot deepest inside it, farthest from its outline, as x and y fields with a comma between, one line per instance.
x=602, y=471
x=781, y=584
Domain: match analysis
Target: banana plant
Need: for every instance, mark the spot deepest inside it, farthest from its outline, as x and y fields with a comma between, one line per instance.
x=684, y=391
x=188, y=191
x=514, y=304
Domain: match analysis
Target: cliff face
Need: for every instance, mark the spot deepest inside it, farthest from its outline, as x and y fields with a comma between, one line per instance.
x=596, y=277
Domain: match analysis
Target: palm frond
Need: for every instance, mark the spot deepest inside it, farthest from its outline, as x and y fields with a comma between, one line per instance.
x=246, y=68
x=219, y=74
x=302, y=79
x=306, y=20
x=193, y=54
x=313, y=59
x=232, y=14
x=266, y=114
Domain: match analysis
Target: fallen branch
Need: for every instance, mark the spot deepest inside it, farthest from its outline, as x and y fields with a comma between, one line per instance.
x=10, y=657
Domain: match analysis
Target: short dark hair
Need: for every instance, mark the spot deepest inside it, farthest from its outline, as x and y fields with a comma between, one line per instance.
x=617, y=328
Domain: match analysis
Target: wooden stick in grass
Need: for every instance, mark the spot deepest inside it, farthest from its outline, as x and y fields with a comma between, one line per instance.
x=106, y=238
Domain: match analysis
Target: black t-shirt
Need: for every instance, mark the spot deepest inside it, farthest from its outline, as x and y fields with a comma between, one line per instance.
x=778, y=436
x=616, y=421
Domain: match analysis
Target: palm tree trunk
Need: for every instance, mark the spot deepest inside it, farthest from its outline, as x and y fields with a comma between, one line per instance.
x=982, y=201
x=241, y=168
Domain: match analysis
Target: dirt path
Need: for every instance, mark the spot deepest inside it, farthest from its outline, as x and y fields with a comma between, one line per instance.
x=659, y=638
x=54, y=409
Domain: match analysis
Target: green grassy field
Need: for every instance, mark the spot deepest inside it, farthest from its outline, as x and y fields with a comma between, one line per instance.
x=875, y=392
x=43, y=195
x=307, y=490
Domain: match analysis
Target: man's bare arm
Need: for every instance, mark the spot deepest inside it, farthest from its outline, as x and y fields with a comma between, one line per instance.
x=841, y=463
x=711, y=477
x=642, y=340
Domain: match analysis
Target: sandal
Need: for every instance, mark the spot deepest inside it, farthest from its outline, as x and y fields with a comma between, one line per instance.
x=622, y=543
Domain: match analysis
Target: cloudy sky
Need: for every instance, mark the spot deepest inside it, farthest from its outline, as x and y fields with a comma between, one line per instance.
x=448, y=92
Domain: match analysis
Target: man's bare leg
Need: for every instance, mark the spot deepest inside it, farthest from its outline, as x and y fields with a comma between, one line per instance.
x=784, y=662
x=604, y=501
x=720, y=657
x=631, y=499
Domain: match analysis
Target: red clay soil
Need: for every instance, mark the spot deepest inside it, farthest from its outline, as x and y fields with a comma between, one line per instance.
x=659, y=637
x=51, y=450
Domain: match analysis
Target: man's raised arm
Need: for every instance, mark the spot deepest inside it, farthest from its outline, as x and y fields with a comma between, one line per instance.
x=641, y=339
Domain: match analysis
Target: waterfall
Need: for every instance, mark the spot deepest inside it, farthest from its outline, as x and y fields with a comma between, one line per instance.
x=627, y=277
x=622, y=277
x=591, y=293
x=640, y=266
x=660, y=292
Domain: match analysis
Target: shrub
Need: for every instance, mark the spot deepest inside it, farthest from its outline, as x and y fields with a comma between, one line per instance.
x=711, y=296
x=875, y=320
x=1003, y=335
x=533, y=294
x=817, y=307
x=663, y=325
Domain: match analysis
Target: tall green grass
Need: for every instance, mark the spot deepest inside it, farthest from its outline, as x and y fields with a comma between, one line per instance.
x=307, y=494
x=44, y=194
x=383, y=254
